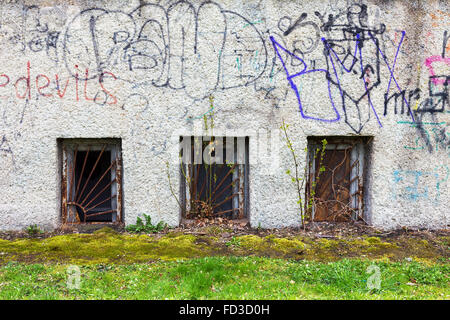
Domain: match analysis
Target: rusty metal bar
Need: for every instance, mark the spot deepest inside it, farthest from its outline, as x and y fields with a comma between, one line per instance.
x=98, y=214
x=226, y=199
x=98, y=194
x=118, y=179
x=354, y=163
x=223, y=190
x=225, y=211
x=196, y=195
x=73, y=173
x=77, y=205
x=356, y=192
x=354, y=179
x=92, y=171
x=65, y=174
x=240, y=180
x=82, y=171
x=199, y=194
x=89, y=209
x=101, y=178
x=223, y=179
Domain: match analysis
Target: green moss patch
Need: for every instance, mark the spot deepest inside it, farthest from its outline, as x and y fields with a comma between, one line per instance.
x=269, y=246
x=103, y=247
x=374, y=248
x=108, y=246
x=334, y=249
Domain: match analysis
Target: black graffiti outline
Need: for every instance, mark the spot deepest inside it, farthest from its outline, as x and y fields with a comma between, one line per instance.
x=165, y=50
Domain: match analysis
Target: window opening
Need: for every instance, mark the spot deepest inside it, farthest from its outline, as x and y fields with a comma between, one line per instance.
x=339, y=189
x=214, y=176
x=91, y=188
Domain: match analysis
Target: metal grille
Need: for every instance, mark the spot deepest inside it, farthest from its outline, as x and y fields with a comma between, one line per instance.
x=216, y=189
x=91, y=185
x=338, y=192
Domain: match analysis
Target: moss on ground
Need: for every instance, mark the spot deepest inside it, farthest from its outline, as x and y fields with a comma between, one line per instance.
x=103, y=247
x=269, y=246
x=334, y=249
x=109, y=246
x=374, y=248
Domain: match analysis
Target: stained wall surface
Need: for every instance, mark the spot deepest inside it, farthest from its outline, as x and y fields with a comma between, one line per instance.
x=144, y=72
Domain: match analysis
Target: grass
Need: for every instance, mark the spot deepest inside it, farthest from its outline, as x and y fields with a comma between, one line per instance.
x=228, y=278
x=185, y=266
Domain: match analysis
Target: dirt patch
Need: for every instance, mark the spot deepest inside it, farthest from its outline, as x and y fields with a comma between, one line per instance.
x=229, y=228
x=327, y=230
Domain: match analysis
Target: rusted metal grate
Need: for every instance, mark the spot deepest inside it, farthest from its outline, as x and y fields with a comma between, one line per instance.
x=215, y=189
x=338, y=192
x=91, y=188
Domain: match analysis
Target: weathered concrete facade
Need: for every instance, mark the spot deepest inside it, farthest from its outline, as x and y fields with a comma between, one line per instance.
x=144, y=71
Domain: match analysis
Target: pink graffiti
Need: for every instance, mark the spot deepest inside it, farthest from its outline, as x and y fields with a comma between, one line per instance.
x=429, y=64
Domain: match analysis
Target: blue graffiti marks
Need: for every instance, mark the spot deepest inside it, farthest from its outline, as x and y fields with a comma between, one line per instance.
x=350, y=78
x=415, y=185
x=33, y=32
x=410, y=189
x=348, y=41
x=302, y=73
x=5, y=149
x=353, y=57
x=4, y=146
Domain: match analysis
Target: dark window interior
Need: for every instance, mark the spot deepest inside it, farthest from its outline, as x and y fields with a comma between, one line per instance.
x=214, y=183
x=215, y=189
x=95, y=180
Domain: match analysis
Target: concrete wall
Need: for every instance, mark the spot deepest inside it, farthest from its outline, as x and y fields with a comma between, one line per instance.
x=263, y=61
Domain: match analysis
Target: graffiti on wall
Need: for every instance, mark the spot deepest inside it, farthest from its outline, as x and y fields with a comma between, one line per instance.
x=28, y=86
x=169, y=47
x=416, y=185
x=343, y=56
x=353, y=57
x=430, y=136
